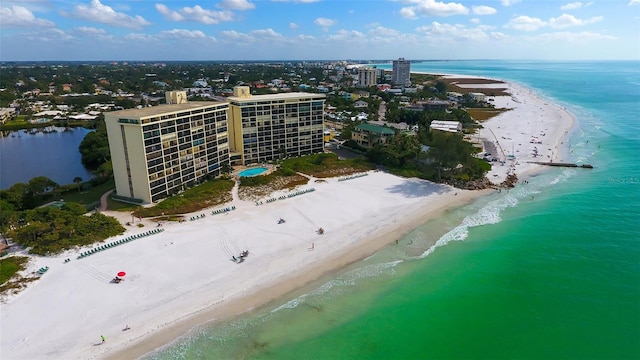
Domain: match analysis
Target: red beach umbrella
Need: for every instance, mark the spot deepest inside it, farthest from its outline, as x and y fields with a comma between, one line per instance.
x=122, y=273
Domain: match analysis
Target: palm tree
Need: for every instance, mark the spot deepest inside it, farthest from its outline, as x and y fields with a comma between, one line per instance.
x=77, y=180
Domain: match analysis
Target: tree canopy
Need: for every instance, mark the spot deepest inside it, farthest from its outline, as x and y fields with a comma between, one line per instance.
x=50, y=230
x=94, y=148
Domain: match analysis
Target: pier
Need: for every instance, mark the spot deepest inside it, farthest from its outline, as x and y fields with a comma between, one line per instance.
x=559, y=164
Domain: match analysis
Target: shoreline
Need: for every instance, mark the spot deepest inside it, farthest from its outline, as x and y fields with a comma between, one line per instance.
x=266, y=295
x=378, y=209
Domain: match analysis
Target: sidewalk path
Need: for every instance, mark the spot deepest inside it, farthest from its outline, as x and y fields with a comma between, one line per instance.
x=103, y=200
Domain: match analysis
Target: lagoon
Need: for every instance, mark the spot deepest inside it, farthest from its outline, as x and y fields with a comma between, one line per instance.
x=25, y=155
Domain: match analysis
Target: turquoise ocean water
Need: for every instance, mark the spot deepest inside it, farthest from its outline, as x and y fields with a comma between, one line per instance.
x=557, y=277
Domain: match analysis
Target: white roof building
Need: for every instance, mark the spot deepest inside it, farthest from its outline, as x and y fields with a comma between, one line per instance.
x=48, y=113
x=450, y=126
x=83, y=117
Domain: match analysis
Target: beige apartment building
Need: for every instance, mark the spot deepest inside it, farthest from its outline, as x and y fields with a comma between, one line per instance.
x=270, y=127
x=367, y=77
x=158, y=151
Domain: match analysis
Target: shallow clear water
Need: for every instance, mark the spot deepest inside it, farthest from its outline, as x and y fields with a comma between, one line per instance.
x=555, y=276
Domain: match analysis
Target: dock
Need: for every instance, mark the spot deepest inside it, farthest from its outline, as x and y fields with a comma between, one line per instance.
x=559, y=164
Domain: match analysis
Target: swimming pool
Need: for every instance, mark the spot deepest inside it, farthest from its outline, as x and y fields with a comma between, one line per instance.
x=252, y=172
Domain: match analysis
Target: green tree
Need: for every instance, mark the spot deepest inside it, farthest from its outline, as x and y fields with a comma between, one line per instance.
x=226, y=168
x=448, y=150
x=41, y=186
x=94, y=149
x=78, y=181
x=16, y=195
x=405, y=147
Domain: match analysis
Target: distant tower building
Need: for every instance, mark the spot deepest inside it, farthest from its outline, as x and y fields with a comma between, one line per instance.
x=401, y=72
x=367, y=77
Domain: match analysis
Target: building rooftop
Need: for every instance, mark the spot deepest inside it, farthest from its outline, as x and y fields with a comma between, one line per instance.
x=375, y=129
x=163, y=109
x=278, y=96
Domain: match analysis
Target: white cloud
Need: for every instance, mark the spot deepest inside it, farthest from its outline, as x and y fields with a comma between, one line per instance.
x=579, y=37
x=140, y=37
x=408, y=13
x=347, y=35
x=237, y=37
x=432, y=8
x=475, y=21
x=267, y=34
x=168, y=13
x=633, y=2
x=382, y=31
x=496, y=35
x=484, y=10
x=381, y=34
x=324, y=22
x=509, y=2
x=236, y=5
x=456, y=32
x=305, y=38
x=196, y=13
x=565, y=21
x=293, y=25
x=85, y=30
x=297, y=1
x=183, y=34
x=98, y=12
x=571, y=6
x=19, y=16
x=55, y=36
x=525, y=23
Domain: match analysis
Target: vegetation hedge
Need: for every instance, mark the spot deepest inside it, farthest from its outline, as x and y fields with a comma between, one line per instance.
x=51, y=230
x=11, y=265
x=210, y=193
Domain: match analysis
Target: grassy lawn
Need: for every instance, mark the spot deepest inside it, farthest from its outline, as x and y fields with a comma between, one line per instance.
x=481, y=114
x=116, y=205
x=326, y=165
x=91, y=197
x=11, y=265
x=9, y=278
x=211, y=193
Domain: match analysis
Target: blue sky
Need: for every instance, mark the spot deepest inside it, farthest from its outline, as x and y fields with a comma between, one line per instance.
x=318, y=29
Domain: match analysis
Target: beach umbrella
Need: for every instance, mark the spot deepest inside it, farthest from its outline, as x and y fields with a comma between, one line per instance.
x=121, y=274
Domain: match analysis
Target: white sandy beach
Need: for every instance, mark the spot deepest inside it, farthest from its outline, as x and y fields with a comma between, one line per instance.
x=183, y=276
x=532, y=130
x=187, y=270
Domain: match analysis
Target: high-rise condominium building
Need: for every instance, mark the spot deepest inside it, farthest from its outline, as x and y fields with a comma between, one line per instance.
x=156, y=151
x=367, y=77
x=401, y=72
x=274, y=126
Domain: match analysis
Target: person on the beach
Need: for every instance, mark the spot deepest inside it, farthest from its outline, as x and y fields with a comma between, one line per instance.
x=102, y=337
